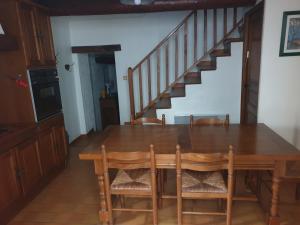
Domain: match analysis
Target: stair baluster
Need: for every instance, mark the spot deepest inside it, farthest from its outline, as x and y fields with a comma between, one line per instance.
x=141, y=88
x=149, y=80
x=182, y=44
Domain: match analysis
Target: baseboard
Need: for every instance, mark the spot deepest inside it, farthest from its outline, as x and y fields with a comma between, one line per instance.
x=82, y=136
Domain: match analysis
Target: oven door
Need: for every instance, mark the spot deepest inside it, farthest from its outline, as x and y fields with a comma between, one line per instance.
x=46, y=97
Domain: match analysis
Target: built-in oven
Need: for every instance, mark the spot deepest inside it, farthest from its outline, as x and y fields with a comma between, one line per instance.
x=44, y=86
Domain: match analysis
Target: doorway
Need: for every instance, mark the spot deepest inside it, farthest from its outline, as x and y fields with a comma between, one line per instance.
x=251, y=64
x=98, y=86
x=104, y=89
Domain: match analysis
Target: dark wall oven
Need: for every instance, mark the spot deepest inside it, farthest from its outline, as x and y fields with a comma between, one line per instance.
x=45, y=93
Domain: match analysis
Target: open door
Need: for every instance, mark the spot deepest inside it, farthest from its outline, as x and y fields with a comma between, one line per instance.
x=251, y=64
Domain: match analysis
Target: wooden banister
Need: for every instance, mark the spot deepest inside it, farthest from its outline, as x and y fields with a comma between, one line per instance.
x=225, y=21
x=158, y=71
x=141, y=88
x=181, y=48
x=205, y=31
x=215, y=26
x=149, y=80
x=167, y=64
x=234, y=16
x=185, y=44
x=171, y=34
x=176, y=56
x=131, y=94
x=195, y=35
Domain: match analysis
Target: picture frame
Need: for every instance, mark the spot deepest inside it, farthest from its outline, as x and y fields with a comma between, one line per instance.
x=290, y=34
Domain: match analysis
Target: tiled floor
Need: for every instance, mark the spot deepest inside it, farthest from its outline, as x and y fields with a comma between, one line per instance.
x=72, y=199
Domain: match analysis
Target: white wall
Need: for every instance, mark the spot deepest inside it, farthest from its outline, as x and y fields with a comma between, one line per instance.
x=62, y=44
x=218, y=94
x=85, y=94
x=136, y=33
x=279, y=104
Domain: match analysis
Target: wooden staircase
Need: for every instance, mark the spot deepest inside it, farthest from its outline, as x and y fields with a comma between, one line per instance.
x=150, y=85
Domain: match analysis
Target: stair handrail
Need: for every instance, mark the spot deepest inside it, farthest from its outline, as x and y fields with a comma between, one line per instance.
x=171, y=34
x=238, y=24
x=165, y=42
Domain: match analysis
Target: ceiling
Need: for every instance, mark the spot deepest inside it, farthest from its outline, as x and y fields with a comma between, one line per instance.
x=99, y=7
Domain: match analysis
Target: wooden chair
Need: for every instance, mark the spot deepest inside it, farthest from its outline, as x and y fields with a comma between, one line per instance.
x=148, y=121
x=199, y=177
x=135, y=178
x=161, y=174
x=209, y=121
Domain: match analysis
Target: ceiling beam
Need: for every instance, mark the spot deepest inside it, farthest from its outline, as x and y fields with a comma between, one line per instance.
x=101, y=7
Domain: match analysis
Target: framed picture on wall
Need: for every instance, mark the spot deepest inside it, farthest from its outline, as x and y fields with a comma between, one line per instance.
x=290, y=34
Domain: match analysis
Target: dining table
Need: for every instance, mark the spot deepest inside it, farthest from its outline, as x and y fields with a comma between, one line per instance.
x=256, y=147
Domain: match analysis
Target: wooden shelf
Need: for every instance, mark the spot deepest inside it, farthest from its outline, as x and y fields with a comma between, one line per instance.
x=8, y=43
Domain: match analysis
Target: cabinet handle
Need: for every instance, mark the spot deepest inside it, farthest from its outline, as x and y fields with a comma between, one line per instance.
x=19, y=173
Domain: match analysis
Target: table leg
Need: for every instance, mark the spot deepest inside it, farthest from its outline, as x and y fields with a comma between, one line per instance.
x=274, y=218
x=103, y=213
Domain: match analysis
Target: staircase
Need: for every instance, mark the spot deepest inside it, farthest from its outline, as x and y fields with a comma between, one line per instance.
x=178, y=60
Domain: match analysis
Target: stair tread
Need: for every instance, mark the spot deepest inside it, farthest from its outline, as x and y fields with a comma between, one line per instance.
x=193, y=74
x=163, y=103
x=178, y=91
x=206, y=65
x=228, y=40
x=192, y=80
x=150, y=113
x=220, y=52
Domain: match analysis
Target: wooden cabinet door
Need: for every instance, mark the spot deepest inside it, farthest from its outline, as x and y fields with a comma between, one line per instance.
x=10, y=189
x=29, y=163
x=47, y=151
x=45, y=37
x=29, y=35
x=61, y=144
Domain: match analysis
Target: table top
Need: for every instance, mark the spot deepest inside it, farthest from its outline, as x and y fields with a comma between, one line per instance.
x=256, y=142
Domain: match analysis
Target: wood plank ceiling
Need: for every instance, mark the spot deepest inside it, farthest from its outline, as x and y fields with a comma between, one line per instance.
x=99, y=7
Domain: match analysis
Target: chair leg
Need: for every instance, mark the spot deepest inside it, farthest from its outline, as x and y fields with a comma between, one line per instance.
x=154, y=212
x=179, y=210
x=229, y=212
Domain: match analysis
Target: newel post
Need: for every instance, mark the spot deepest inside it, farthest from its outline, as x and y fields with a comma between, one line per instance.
x=131, y=95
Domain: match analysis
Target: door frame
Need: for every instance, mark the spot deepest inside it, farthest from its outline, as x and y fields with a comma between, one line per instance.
x=259, y=6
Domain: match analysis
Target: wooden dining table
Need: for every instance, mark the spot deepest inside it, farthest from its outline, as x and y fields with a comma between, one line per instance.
x=256, y=147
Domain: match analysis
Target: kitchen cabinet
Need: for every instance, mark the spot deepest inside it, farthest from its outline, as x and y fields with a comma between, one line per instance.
x=47, y=151
x=45, y=37
x=30, y=156
x=61, y=144
x=30, y=170
x=36, y=35
x=30, y=35
x=10, y=190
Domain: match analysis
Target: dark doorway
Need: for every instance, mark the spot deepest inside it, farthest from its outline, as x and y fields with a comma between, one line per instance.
x=251, y=64
x=104, y=88
x=103, y=79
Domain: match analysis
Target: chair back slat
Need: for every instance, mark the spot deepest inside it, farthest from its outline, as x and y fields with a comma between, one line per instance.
x=204, y=162
x=148, y=121
x=129, y=166
x=127, y=160
x=204, y=168
x=204, y=158
x=209, y=121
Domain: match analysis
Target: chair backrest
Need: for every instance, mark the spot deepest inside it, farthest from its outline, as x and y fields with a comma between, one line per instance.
x=209, y=121
x=148, y=121
x=204, y=162
x=128, y=160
